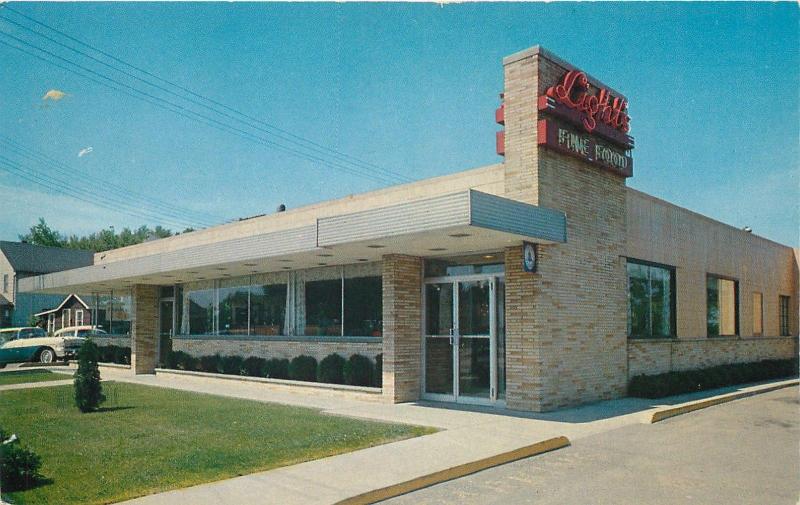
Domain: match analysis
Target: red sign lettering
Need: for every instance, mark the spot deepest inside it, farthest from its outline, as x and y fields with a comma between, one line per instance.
x=574, y=92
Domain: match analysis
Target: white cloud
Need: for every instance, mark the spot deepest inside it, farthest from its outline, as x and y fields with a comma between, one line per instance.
x=54, y=95
x=83, y=152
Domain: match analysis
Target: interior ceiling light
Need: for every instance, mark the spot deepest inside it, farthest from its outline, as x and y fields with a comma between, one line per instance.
x=285, y=261
x=376, y=246
x=436, y=249
x=459, y=235
x=324, y=255
x=362, y=259
x=250, y=264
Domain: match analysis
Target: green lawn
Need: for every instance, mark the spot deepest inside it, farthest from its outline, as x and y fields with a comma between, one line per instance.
x=152, y=439
x=21, y=376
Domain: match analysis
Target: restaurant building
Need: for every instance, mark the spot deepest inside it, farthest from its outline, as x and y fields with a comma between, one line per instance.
x=533, y=284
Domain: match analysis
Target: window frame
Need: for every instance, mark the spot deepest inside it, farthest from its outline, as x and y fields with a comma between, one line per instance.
x=736, y=304
x=673, y=302
x=784, y=321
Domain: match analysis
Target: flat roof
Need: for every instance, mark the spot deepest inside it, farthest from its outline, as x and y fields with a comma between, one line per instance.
x=462, y=222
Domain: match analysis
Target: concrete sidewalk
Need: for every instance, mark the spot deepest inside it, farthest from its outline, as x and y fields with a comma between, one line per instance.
x=468, y=434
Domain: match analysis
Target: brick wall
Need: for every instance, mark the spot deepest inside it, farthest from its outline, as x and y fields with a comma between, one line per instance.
x=566, y=323
x=144, y=328
x=118, y=341
x=654, y=357
x=274, y=348
x=402, y=327
x=695, y=245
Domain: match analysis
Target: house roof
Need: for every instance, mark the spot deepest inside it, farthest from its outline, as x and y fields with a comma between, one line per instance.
x=64, y=302
x=36, y=259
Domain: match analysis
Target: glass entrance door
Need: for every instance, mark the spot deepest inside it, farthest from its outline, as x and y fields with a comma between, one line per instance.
x=461, y=360
x=166, y=328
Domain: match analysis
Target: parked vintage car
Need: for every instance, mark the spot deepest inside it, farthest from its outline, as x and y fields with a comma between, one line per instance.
x=80, y=331
x=20, y=345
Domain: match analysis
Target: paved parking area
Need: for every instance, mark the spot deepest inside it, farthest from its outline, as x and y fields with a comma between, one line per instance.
x=743, y=452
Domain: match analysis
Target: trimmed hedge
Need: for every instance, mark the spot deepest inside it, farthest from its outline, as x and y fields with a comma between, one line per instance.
x=675, y=383
x=276, y=368
x=115, y=354
x=303, y=368
x=254, y=367
x=210, y=364
x=377, y=378
x=231, y=365
x=331, y=369
x=358, y=371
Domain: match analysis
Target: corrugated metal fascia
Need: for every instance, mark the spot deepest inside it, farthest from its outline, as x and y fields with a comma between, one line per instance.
x=503, y=214
x=240, y=249
x=411, y=217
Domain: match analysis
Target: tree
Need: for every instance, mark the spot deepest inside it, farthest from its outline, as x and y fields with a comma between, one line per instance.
x=103, y=240
x=42, y=234
x=88, y=390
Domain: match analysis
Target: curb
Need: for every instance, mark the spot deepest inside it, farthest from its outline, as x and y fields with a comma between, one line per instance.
x=666, y=413
x=456, y=472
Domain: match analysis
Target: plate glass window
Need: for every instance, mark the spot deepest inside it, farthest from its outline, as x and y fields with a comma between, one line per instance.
x=651, y=300
x=722, y=306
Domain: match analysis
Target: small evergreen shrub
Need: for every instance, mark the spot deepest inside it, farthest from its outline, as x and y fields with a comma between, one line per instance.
x=331, y=369
x=88, y=390
x=358, y=371
x=255, y=366
x=187, y=362
x=675, y=383
x=377, y=377
x=303, y=368
x=210, y=364
x=232, y=365
x=276, y=368
x=19, y=466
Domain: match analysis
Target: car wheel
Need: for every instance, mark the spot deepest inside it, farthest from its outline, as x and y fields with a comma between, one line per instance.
x=47, y=356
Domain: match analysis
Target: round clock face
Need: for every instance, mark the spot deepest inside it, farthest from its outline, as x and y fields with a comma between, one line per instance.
x=530, y=257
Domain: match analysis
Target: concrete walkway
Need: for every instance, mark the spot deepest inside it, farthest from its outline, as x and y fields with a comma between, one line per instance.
x=30, y=385
x=468, y=434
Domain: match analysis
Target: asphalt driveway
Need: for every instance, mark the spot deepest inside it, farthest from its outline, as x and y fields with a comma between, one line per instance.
x=743, y=452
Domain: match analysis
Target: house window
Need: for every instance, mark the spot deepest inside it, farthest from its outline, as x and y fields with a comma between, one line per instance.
x=758, y=314
x=722, y=306
x=784, y=316
x=5, y=283
x=51, y=322
x=651, y=300
x=79, y=317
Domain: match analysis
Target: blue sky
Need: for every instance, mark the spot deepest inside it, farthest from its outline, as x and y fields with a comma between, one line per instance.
x=412, y=88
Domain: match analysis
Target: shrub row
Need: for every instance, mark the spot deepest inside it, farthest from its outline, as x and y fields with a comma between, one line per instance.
x=358, y=370
x=115, y=354
x=675, y=383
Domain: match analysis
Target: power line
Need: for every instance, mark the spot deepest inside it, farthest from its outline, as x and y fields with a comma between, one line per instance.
x=364, y=168
x=182, y=111
x=107, y=186
x=317, y=148
x=62, y=186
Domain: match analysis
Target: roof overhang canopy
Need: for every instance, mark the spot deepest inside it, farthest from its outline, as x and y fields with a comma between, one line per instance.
x=458, y=223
